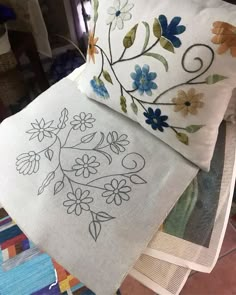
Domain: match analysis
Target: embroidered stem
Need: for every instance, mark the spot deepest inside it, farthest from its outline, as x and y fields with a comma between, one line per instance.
x=137, y=56
x=102, y=66
x=109, y=41
x=191, y=81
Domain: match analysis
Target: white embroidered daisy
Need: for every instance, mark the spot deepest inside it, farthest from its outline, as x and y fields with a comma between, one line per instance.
x=119, y=13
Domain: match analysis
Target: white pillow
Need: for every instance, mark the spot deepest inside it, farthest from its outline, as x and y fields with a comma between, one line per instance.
x=170, y=65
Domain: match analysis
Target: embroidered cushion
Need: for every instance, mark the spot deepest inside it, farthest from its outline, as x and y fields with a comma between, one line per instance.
x=170, y=65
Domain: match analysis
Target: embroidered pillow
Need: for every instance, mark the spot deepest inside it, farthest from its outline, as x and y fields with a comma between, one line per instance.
x=170, y=65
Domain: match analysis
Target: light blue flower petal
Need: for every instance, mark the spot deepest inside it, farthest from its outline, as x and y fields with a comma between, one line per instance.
x=141, y=91
x=152, y=76
x=138, y=69
x=149, y=92
x=146, y=69
x=133, y=76
x=153, y=85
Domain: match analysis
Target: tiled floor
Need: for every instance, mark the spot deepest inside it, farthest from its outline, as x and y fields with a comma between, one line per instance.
x=222, y=281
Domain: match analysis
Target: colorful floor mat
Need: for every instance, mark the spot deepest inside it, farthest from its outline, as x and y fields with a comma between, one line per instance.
x=24, y=270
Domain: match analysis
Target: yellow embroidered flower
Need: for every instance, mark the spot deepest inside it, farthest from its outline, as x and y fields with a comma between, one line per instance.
x=225, y=35
x=188, y=102
x=92, y=50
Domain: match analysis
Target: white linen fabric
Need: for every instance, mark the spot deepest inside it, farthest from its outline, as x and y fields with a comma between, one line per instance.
x=86, y=185
x=169, y=65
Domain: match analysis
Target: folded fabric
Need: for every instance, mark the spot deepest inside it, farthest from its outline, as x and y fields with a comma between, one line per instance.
x=169, y=65
x=193, y=233
x=87, y=184
x=160, y=276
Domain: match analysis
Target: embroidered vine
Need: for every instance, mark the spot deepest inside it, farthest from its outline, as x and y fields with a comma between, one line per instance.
x=144, y=81
x=77, y=178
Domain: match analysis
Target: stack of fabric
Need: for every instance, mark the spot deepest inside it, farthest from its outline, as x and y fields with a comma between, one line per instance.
x=105, y=195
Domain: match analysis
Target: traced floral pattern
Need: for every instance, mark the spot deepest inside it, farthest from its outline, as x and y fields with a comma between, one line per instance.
x=117, y=143
x=28, y=163
x=119, y=13
x=41, y=130
x=83, y=122
x=188, y=102
x=92, y=50
x=78, y=202
x=172, y=30
x=225, y=36
x=143, y=80
x=86, y=166
x=88, y=152
x=156, y=120
x=99, y=87
x=116, y=192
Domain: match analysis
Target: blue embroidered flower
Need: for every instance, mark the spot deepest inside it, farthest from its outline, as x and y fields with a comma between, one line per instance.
x=155, y=119
x=170, y=31
x=6, y=14
x=143, y=80
x=99, y=87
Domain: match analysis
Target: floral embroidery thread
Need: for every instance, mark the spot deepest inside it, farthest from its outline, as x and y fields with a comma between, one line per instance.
x=167, y=34
x=188, y=102
x=99, y=87
x=143, y=80
x=225, y=36
x=156, y=120
x=119, y=14
x=92, y=50
x=78, y=183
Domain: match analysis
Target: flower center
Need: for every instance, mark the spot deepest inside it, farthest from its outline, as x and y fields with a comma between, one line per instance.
x=77, y=202
x=187, y=103
x=155, y=121
x=82, y=121
x=143, y=80
x=41, y=130
x=85, y=165
x=116, y=191
x=118, y=13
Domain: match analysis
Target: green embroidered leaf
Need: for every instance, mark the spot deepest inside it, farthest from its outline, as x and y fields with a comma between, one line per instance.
x=134, y=107
x=107, y=76
x=215, y=79
x=95, y=9
x=194, y=128
x=166, y=44
x=157, y=30
x=123, y=104
x=182, y=137
x=160, y=58
x=130, y=37
x=147, y=27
